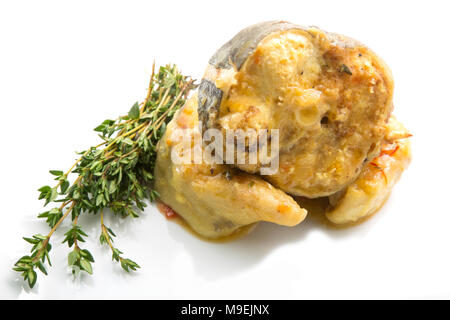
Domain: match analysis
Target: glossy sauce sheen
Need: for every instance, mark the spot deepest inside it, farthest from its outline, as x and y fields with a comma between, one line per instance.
x=318, y=207
x=171, y=215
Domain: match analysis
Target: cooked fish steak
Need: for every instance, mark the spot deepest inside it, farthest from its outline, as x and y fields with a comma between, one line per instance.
x=216, y=200
x=329, y=96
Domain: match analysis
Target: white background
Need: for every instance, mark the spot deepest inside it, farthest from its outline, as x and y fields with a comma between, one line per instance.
x=65, y=66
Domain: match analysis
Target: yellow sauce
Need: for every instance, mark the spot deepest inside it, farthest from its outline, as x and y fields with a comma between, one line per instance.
x=176, y=218
x=317, y=208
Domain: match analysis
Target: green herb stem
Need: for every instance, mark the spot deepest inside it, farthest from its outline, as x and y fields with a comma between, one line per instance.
x=116, y=174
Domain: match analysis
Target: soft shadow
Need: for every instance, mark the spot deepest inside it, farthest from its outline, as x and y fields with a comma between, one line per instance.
x=217, y=260
x=90, y=223
x=120, y=226
x=220, y=260
x=17, y=286
x=210, y=260
x=13, y=280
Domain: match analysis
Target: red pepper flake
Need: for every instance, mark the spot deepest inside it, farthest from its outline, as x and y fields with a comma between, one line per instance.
x=167, y=211
x=380, y=169
x=390, y=152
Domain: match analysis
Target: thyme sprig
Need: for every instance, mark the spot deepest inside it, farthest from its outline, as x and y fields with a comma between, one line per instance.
x=116, y=174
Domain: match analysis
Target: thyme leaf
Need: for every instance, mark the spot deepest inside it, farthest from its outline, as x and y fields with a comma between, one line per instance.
x=116, y=174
